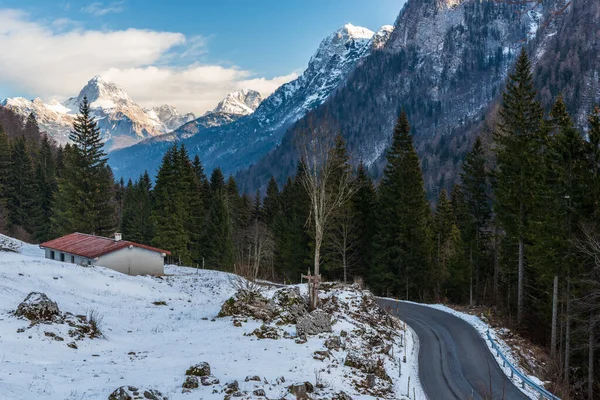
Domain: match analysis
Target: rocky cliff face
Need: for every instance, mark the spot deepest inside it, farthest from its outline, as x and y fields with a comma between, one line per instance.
x=245, y=141
x=445, y=63
x=243, y=102
x=122, y=122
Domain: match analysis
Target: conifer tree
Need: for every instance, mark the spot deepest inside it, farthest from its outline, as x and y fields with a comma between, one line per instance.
x=218, y=235
x=447, y=244
x=475, y=187
x=4, y=178
x=20, y=191
x=169, y=213
x=519, y=146
x=45, y=187
x=137, y=211
x=85, y=198
x=402, y=243
x=363, y=204
x=271, y=203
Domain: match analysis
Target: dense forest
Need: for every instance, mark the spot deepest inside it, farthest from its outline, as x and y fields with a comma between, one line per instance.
x=521, y=231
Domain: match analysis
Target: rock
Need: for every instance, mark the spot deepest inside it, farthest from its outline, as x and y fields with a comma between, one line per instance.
x=232, y=388
x=133, y=393
x=290, y=304
x=333, y=343
x=72, y=345
x=37, y=307
x=368, y=366
x=253, y=378
x=209, y=380
x=371, y=380
x=201, y=369
x=301, y=390
x=248, y=304
x=341, y=396
x=259, y=392
x=266, y=332
x=191, y=382
x=314, y=323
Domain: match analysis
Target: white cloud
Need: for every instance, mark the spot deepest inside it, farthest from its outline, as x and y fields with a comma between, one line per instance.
x=99, y=9
x=56, y=60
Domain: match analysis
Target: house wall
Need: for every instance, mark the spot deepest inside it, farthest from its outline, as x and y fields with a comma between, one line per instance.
x=76, y=259
x=133, y=261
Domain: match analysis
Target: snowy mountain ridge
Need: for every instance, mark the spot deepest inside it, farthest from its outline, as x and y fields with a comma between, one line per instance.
x=122, y=122
x=243, y=102
x=251, y=137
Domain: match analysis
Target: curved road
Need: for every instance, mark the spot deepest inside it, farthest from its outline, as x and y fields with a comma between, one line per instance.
x=454, y=361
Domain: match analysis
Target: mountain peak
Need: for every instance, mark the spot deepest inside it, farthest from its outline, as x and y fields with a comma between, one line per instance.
x=101, y=93
x=382, y=36
x=242, y=102
x=356, y=32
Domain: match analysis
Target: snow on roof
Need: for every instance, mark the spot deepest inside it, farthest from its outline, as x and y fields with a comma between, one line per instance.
x=91, y=246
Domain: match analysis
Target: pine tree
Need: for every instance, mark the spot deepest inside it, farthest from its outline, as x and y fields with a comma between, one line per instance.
x=519, y=146
x=447, y=244
x=271, y=203
x=402, y=243
x=137, y=210
x=85, y=198
x=20, y=191
x=4, y=175
x=45, y=187
x=169, y=213
x=475, y=187
x=363, y=204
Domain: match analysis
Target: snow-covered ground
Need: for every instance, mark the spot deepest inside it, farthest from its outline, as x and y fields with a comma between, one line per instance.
x=508, y=352
x=156, y=328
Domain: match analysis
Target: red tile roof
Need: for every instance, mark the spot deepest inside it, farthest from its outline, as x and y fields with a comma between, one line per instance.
x=91, y=246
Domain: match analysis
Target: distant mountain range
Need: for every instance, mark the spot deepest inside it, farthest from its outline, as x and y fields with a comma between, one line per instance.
x=242, y=142
x=122, y=121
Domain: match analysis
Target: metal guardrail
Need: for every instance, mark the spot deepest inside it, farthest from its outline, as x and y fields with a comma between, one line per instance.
x=544, y=394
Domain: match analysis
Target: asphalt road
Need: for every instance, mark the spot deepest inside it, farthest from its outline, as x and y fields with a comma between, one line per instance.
x=454, y=361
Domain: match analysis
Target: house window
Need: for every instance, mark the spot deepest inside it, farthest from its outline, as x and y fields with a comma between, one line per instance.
x=52, y=254
x=73, y=259
x=62, y=256
x=89, y=262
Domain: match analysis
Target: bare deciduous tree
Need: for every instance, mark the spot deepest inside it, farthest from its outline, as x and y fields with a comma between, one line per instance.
x=328, y=186
x=343, y=240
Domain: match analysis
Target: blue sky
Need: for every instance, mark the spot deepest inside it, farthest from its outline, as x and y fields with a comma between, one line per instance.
x=256, y=42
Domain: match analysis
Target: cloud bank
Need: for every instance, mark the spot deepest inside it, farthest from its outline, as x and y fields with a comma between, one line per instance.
x=56, y=60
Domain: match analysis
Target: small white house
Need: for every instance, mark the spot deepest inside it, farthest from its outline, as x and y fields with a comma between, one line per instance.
x=121, y=255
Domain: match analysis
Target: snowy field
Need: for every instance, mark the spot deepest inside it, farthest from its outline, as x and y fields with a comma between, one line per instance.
x=156, y=328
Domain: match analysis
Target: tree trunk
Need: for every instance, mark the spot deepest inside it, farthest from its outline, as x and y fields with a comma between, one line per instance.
x=471, y=278
x=520, y=282
x=591, y=359
x=568, y=333
x=496, y=264
x=554, y=317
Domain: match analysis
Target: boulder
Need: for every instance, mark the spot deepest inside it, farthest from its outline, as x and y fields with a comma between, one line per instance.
x=316, y=322
x=368, y=366
x=209, y=381
x=290, y=305
x=248, y=304
x=253, y=378
x=301, y=390
x=341, y=396
x=191, y=382
x=370, y=381
x=133, y=393
x=37, y=307
x=259, y=392
x=333, y=343
x=232, y=387
x=201, y=369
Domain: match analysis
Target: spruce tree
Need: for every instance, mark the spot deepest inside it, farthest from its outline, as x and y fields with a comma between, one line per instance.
x=476, y=189
x=402, y=243
x=137, y=211
x=271, y=203
x=447, y=246
x=85, y=198
x=363, y=204
x=169, y=212
x=21, y=204
x=519, y=146
x=45, y=187
x=4, y=178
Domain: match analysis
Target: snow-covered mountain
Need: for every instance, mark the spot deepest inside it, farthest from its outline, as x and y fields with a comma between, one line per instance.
x=243, y=102
x=121, y=121
x=239, y=144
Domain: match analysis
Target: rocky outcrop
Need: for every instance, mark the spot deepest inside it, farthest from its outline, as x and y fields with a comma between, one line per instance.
x=291, y=303
x=37, y=307
x=316, y=322
x=248, y=304
x=200, y=369
x=133, y=393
